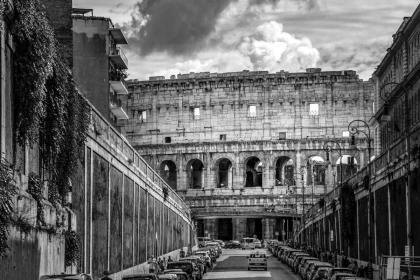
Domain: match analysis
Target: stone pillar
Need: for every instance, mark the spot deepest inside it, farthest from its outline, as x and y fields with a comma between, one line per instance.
x=238, y=228
x=267, y=228
x=211, y=226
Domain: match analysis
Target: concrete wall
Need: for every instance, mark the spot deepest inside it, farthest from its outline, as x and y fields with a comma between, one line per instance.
x=122, y=214
x=91, y=60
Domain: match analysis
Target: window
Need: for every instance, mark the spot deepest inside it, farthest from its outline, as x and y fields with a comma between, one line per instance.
x=142, y=115
x=346, y=133
x=222, y=137
x=252, y=111
x=282, y=135
x=196, y=113
x=314, y=109
x=168, y=140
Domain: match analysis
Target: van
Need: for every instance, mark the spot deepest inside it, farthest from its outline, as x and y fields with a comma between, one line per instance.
x=248, y=243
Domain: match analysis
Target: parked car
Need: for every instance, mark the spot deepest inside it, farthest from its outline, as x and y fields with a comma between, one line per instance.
x=248, y=243
x=181, y=275
x=338, y=270
x=233, y=244
x=302, y=262
x=215, y=245
x=197, y=261
x=257, y=244
x=221, y=243
x=314, y=267
x=342, y=276
x=206, y=256
x=143, y=276
x=188, y=267
x=304, y=268
x=202, y=241
x=322, y=273
x=66, y=277
x=298, y=261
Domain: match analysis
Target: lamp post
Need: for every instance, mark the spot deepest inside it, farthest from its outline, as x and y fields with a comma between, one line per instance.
x=385, y=98
x=357, y=127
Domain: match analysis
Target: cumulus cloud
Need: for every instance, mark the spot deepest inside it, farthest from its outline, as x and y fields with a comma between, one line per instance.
x=273, y=49
x=173, y=26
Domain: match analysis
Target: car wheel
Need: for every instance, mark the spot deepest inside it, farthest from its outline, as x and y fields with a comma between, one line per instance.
x=249, y=268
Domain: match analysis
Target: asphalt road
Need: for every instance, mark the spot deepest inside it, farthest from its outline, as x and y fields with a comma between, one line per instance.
x=233, y=264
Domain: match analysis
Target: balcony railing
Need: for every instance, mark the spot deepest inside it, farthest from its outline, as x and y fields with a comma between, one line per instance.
x=118, y=57
x=117, y=109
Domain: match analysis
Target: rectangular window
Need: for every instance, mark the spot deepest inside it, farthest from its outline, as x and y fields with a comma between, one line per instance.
x=143, y=115
x=222, y=137
x=282, y=135
x=168, y=140
x=314, y=109
x=196, y=113
x=346, y=133
x=252, y=111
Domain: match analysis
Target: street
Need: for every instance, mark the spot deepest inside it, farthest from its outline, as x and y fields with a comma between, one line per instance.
x=233, y=264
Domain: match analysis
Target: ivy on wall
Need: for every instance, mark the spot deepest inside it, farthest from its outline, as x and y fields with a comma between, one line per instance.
x=72, y=248
x=35, y=189
x=7, y=193
x=49, y=109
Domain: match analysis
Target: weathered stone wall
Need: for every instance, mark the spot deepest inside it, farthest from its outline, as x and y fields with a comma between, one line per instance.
x=282, y=102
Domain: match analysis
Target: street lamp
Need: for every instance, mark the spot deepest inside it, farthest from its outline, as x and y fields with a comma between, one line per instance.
x=357, y=127
x=329, y=146
x=407, y=165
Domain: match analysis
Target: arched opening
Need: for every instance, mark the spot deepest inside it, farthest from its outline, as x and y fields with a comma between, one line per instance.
x=284, y=172
x=346, y=164
x=316, y=171
x=168, y=173
x=195, y=174
x=254, y=170
x=224, y=173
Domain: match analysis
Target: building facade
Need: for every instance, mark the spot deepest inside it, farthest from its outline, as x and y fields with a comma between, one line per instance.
x=247, y=150
x=99, y=62
x=381, y=201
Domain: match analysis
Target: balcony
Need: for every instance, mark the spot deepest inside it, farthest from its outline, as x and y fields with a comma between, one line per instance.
x=118, y=87
x=117, y=109
x=119, y=59
x=118, y=36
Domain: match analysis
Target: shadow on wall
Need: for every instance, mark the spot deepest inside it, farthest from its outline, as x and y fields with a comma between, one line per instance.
x=24, y=257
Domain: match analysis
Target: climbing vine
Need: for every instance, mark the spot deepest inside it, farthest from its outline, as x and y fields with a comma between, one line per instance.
x=36, y=49
x=51, y=110
x=72, y=248
x=7, y=192
x=35, y=189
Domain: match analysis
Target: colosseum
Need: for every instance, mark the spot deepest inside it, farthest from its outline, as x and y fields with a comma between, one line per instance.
x=249, y=151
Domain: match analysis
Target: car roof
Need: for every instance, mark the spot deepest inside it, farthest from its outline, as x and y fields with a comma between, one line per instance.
x=344, y=274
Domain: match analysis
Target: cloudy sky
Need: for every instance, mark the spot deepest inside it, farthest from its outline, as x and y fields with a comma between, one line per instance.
x=180, y=36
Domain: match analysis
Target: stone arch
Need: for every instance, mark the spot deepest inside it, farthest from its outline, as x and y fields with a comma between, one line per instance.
x=195, y=174
x=253, y=172
x=316, y=170
x=284, y=171
x=346, y=164
x=224, y=173
x=168, y=172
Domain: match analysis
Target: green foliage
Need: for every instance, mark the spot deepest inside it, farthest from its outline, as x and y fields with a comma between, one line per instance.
x=348, y=212
x=23, y=225
x=72, y=248
x=49, y=109
x=35, y=189
x=36, y=49
x=7, y=192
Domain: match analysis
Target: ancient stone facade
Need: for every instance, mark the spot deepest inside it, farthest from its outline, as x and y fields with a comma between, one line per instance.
x=246, y=149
